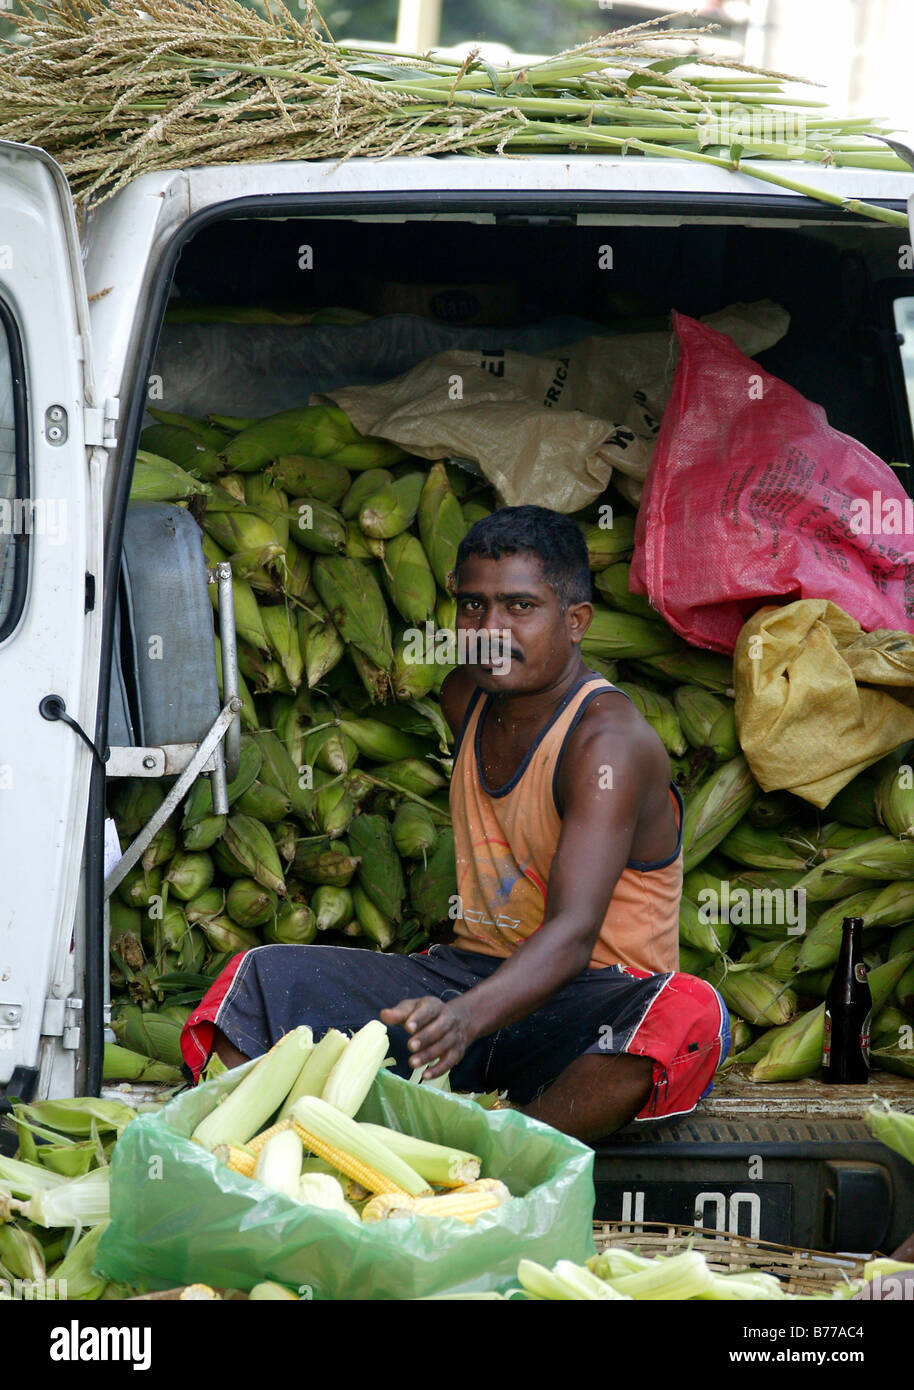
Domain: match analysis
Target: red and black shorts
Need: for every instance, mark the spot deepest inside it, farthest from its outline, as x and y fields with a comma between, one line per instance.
x=677, y=1020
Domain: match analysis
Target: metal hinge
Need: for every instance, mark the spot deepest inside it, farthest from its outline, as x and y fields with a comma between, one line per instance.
x=100, y=425
x=61, y=1021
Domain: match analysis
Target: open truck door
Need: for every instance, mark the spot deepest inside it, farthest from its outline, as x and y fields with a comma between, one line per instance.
x=54, y=438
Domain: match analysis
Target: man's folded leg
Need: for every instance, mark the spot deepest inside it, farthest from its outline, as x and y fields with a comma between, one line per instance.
x=263, y=993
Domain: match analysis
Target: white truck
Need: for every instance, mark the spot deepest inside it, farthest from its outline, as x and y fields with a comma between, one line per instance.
x=83, y=352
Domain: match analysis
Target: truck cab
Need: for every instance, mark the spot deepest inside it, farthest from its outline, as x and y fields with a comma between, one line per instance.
x=441, y=251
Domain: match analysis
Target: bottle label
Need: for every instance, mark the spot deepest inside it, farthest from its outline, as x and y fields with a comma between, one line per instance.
x=826, y=1040
x=860, y=972
x=865, y=1038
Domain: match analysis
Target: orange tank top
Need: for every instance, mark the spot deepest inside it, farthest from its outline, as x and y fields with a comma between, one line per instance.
x=505, y=839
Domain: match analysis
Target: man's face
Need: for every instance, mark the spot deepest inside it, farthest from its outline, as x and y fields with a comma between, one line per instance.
x=509, y=598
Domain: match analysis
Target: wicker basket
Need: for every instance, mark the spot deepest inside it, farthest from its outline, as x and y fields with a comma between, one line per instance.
x=803, y=1271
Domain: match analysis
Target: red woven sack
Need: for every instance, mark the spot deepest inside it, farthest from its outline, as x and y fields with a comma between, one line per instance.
x=751, y=497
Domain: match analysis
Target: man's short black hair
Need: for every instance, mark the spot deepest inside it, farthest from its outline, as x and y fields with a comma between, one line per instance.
x=556, y=541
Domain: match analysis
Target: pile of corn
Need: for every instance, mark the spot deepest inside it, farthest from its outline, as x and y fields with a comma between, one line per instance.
x=54, y=1198
x=318, y=1154
x=340, y=546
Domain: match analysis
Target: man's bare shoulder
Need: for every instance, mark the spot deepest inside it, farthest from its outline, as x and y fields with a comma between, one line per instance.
x=611, y=719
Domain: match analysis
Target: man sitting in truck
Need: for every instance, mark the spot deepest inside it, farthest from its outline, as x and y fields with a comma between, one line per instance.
x=561, y=984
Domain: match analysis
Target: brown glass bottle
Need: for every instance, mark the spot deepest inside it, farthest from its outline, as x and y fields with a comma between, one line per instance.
x=848, y=1006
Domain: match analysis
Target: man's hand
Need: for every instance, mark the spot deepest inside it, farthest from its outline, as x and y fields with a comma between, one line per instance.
x=440, y=1031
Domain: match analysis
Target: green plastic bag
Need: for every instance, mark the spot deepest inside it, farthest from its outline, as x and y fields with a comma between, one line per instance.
x=179, y=1216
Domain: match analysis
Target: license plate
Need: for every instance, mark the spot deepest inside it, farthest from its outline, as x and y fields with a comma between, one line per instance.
x=761, y=1211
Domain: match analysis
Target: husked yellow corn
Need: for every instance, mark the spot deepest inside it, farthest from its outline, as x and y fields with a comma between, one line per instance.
x=237, y=1157
x=339, y=1141
x=465, y=1203
x=256, y=1144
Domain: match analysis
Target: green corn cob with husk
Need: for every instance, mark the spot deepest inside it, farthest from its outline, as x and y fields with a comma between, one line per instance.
x=250, y=904
x=659, y=713
x=894, y=1128
x=332, y=907
x=442, y=525
x=157, y=479
x=363, y=486
x=265, y=496
x=304, y=476
x=690, y=666
x=612, y=584
x=895, y=801
x=281, y=627
x=408, y=578
x=333, y=810
x=432, y=885
x=322, y=646
x=361, y=547
x=741, y=1034
x=904, y=991
x=293, y=925
x=21, y=1255
x=264, y=802
x=761, y=849
x=413, y=831
x=380, y=742
x=296, y=580
x=316, y=526
x=606, y=544
x=227, y=864
x=380, y=875
x=359, y=784
x=332, y=865
x=208, y=433
x=161, y=847
x=139, y=886
x=317, y=430
x=285, y=838
x=372, y=922
x=775, y=958
x=189, y=875
x=182, y=447
x=208, y=904
x=223, y=934
x=880, y=858
x=623, y=636
x=698, y=930
x=331, y=749
x=375, y=679
x=902, y=940
x=707, y=721
x=822, y=944
x=755, y=995
x=392, y=508
x=204, y=833
x=410, y=679
x=150, y=1034
x=356, y=606
x=414, y=775
x=265, y=674
x=251, y=540
x=126, y=933
x=252, y=845
x=279, y=771
x=715, y=808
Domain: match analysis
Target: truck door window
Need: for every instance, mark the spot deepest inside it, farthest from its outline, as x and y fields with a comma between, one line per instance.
x=15, y=510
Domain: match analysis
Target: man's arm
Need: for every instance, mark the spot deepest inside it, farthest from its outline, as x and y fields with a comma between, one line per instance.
x=607, y=760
